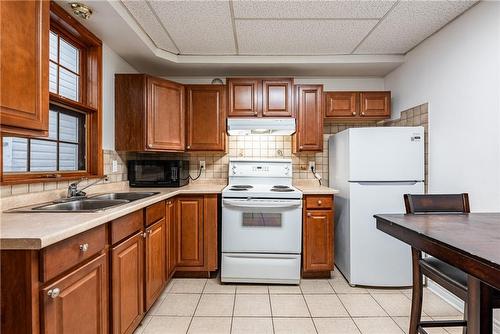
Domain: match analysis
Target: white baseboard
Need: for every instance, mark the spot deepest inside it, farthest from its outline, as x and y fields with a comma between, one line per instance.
x=458, y=304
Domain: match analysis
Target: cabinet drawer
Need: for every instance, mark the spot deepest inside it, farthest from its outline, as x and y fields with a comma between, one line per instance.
x=155, y=212
x=319, y=202
x=60, y=257
x=125, y=226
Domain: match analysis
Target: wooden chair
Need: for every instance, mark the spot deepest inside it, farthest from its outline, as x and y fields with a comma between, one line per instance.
x=447, y=276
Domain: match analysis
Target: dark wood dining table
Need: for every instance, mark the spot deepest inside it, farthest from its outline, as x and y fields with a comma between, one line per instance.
x=470, y=242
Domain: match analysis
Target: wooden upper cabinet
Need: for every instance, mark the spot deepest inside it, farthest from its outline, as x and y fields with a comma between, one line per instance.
x=256, y=97
x=127, y=284
x=244, y=97
x=155, y=262
x=165, y=115
x=341, y=104
x=78, y=302
x=206, y=117
x=189, y=226
x=24, y=80
x=277, y=98
x=375, y=104
x=150, y=111
x=356, y=106
x=309, y=109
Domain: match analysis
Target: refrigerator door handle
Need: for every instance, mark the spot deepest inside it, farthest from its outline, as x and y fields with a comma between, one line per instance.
x=378, y=183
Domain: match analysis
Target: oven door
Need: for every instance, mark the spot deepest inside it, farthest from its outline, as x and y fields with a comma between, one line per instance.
x=262, y=225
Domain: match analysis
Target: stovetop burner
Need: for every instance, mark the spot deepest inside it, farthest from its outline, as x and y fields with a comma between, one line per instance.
x=240, y=187
x=280, y=188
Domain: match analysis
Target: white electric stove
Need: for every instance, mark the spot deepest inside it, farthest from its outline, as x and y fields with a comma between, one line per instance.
x=261, y=223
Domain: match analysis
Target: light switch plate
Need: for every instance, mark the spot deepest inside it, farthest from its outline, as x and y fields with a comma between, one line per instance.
x=312, y=164
x=114, y=166
x=202, y=164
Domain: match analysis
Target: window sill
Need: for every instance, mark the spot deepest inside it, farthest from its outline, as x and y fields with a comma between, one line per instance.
x=12, y=179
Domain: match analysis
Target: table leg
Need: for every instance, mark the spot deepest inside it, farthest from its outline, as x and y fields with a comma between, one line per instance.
x=479, y=308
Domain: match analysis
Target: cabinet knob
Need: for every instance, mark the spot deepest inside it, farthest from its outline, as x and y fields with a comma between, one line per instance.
x=301, y=147
x=84, y=247
x=362, y=114
x=188, y=147
x=53, y=293
x=308, y=214
x=150, y=231
x=354, y=113
x=150, y=145
x=255, y=112
x=319, y=202
x=144, y=235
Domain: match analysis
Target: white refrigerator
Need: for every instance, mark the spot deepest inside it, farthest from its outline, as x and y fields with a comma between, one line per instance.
x=373, y=168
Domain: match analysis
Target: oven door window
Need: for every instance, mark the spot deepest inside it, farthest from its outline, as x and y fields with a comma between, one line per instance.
x=261, y=219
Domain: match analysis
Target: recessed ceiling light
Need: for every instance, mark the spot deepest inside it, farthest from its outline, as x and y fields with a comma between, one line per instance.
x=81, y=10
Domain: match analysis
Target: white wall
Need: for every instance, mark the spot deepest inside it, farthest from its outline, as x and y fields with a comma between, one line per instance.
x=330, y=83
x=457, y=71
x=111, y=63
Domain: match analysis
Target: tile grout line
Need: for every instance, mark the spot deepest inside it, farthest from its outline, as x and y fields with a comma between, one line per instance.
x=232, y=315
x=197, y=304
x=271, y=307
x=349, y=313
x=309, y=310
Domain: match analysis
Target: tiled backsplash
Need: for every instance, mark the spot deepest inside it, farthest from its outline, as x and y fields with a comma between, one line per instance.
x=245, y=147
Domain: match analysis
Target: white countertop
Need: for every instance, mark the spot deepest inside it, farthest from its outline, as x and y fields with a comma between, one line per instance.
x=312, y=187
x=38, y=230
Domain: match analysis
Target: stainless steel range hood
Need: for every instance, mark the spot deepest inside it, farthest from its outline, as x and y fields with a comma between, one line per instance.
x=260, y=126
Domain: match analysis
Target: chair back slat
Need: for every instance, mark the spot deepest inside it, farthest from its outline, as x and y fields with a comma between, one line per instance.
x=437, y=203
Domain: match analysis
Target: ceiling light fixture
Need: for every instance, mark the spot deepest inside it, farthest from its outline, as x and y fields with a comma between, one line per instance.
x=81, y=10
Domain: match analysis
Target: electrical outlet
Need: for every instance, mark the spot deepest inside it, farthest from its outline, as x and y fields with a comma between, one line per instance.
x=114, y=166
x=312, y=164
x=202, y=164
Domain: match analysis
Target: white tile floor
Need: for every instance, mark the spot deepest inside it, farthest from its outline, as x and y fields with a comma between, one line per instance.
x=316, y=306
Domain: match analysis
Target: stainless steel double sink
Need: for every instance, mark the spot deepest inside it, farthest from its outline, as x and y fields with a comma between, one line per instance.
x=88, y=204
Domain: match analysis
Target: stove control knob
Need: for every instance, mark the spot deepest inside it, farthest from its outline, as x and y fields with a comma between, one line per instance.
x=234, y=170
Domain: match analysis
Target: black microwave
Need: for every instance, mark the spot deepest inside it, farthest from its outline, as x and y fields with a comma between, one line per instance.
x=158, y=173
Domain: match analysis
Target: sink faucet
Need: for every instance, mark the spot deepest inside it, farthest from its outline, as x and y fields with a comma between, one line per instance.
x=74, y=192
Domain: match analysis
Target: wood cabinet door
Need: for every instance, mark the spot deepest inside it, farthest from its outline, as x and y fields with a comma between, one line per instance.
x=206, y=117
x=190, y=232
x=244, y=99
x=375, y=104
x=165, y=115
x=277, y=98
x=24, y=79
x=127, y=284
x=318, y=240
x=341, y=104
x=309, y=135
x=78, y=302
x=171, y=248
x=155, y=262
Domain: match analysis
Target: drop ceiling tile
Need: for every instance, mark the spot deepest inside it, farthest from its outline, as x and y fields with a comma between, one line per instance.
x=409, y=23
x=150, y=24
x=300, y=37
x=310, y=9
x=198, y=27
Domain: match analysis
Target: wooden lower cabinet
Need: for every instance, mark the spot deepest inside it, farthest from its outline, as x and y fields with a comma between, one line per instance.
x=127, y=284
x=78, y=302
x=318, y=257
x=171, y=238
x=145, y=248
x=190, y=232
x=155, y=262
x=196, y=229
